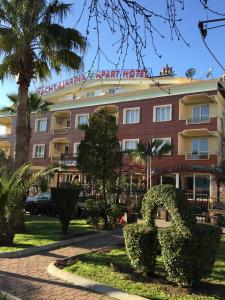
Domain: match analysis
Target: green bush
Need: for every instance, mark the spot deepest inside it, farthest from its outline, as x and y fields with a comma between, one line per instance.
x=65, y=199
x=188, y=249
x=167, y=196
x=141, y=246
x=221, y=220
x=115, y=211
x=189, y=259
x=94, y=212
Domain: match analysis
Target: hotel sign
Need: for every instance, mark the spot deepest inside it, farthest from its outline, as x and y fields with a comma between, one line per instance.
x=91, y=75
x=188, y=168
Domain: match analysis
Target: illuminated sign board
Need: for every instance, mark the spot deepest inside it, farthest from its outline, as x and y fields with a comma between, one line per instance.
x=91, y=75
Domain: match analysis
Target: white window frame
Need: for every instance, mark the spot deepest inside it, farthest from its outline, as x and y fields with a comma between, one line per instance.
x=198, y=139
x=36, y=124
x=75, y=147
x=164, y=138
x=162, y=106
x=77, y=117
x=130, y=109
x=128, y=140
x=200, y=116
x=34, y=150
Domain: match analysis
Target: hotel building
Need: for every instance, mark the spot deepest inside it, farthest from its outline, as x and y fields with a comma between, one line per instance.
x=188, y=113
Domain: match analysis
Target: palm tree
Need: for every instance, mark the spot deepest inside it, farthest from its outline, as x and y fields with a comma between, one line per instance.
x=34, y=104
x=32, y=42
x=12, y=188
x=144, y=153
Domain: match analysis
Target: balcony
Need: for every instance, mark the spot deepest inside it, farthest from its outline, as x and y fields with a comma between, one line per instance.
x=198, y=120
x=61, y=122
x=61, y=130
x=6, y=127
x=4, y=136
x=68, y=160
x=5, y=147
x=197, y=156
x=57, y=147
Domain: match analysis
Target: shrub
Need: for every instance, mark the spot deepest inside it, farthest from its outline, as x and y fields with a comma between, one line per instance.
x=182, y=218
x=189, y=259
x=65, y=199
x=94, y=212
x=116, y=211
x=141, y=246
x=188, y=249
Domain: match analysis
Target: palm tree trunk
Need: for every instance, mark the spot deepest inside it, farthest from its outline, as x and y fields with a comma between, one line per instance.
x=22, y=148
x=21, y=125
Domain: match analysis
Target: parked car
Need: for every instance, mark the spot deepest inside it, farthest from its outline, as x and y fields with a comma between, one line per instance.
x=41, y=204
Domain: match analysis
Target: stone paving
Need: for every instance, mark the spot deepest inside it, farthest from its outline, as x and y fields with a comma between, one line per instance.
x=27, y=277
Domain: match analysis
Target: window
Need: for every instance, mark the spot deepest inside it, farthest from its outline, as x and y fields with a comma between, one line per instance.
x=161, y=143
x=75, y=148
x=200, y=146
x=199, y=149
x=90, y=94
x=115, y=90
x=82, y=120
x=38, y=151
x=200, y=113
x=41, y=125
x=131, y=115
x=162, y=113
x=130, y=144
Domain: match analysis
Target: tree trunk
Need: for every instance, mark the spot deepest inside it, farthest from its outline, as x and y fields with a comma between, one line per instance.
x=6, y=232
x=105, y=205
x=22, y=149
x=21, y=125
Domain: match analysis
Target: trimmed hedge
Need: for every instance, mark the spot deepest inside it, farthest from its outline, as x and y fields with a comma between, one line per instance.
x=182, y=218
x=188, y=249
x=189, y=259
x=65, y=200
x=141, y=247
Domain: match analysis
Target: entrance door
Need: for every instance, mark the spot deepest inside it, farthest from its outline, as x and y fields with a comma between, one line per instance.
x=202, y=185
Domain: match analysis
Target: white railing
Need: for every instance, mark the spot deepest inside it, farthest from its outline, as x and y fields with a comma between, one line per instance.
x=198, y=120
x=61, y=130
x=195, y=156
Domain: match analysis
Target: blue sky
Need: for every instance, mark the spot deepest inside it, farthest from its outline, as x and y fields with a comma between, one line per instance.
x=175, y=53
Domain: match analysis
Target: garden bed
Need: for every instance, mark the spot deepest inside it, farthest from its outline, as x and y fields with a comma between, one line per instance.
x=112, y=267
x=46, y=230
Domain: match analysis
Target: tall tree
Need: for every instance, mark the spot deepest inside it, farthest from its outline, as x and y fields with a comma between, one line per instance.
x=145, y=152
x=32, y=42
x=99, y=154
x=34, y=104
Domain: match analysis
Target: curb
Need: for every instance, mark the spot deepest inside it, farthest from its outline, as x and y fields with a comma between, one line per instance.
x=9, y=296
x=91, y=285
x=37, y=249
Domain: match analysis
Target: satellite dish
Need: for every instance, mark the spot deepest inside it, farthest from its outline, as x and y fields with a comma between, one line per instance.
x=190, y=73
x=209, y=73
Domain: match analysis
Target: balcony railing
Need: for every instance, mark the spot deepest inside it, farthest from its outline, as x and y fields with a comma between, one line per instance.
x=61, y=130
x=195, y=156
x=4, y=136
x=68, y=160
x=198, y=120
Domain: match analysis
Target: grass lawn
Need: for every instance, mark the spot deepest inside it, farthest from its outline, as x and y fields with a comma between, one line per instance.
x=46, y=230
x=103, y=268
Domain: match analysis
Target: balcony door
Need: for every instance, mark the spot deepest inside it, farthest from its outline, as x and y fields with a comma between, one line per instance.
x=200, y=113
x=200, y=148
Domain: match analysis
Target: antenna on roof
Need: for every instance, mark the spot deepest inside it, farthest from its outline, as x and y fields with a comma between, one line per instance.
x=210, y=72
x=190, y=73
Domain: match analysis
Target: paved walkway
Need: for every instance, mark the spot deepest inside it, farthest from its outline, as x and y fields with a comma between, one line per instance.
x=27, y=277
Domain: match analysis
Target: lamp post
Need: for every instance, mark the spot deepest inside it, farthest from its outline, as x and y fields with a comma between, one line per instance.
x=149, y=164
